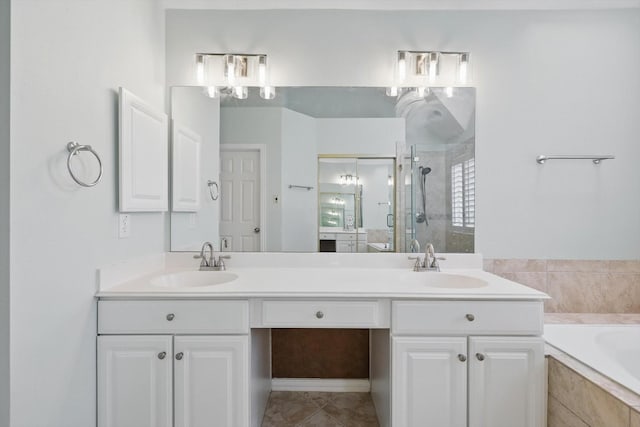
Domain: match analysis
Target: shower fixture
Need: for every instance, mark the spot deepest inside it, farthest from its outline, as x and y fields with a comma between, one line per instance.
x=422, y=175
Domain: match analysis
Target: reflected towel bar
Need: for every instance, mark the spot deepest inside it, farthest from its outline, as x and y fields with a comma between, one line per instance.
x=304, y=187
x=596, y=159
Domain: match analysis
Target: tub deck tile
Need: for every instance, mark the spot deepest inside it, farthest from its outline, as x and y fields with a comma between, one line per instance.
x=634, y=420
x=588, y=401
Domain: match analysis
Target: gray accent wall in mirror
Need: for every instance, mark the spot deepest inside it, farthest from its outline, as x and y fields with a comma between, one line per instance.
x=403, y=166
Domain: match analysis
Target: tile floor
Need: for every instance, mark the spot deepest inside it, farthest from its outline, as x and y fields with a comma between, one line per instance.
x=316, y=409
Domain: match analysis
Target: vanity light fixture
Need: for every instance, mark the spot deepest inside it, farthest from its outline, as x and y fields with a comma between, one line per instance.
x=348, y=179
x=233, y=73
x=420, y=70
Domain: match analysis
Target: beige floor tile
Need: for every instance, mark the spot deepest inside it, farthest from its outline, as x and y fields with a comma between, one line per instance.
x=559, y=416
x=316, y=409
x=321, y=419
x=353, y=409
x=589, y=402
x=287, y=408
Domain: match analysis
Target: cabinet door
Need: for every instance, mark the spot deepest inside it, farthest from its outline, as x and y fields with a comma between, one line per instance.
x=344, y=246
x=211, y=381
x=429, y=382
x=506, y=382
x=134, y=381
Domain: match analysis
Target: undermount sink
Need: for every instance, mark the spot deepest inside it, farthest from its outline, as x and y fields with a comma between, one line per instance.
x=191, y=279
x=452, y=281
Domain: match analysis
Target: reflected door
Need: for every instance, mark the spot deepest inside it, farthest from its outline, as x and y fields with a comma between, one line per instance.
x=240, y=200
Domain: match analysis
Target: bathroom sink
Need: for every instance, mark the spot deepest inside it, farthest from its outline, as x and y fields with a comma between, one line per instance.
x=452, y=281
x=191, y=279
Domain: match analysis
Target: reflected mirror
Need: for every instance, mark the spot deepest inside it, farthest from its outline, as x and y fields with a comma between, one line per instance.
x=329, y=169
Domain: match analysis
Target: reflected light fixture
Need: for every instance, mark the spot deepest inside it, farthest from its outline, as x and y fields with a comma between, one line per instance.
x=233, y=73
x=420, y=70
x=348, y=179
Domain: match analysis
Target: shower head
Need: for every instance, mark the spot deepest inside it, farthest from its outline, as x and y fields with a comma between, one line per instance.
x=425, y=170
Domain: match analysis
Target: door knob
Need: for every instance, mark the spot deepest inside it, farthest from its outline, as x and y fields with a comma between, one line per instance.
x=319, y=315
x=170, y=317
x=162, y=355
x=470, y=317
x=462, y=358
x=256, y=230
x=480, y=356
x=179, y=356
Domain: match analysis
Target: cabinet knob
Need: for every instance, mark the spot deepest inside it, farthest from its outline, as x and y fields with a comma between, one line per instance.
x=170, y=317
x=162, y=355
x=179, y=356
x=462, y=358
x=480, y=356
x=470, y=317
x=319, y=315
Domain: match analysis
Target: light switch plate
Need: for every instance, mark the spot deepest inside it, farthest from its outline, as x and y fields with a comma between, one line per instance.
x=124, y=226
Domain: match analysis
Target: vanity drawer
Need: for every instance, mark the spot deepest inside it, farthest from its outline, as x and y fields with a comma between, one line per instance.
x=320, y=314
x=173, y=317
x=327, y=236
x=467, y=317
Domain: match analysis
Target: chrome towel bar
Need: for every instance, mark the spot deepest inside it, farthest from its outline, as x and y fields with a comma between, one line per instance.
x=304, y=187
x=595, y=158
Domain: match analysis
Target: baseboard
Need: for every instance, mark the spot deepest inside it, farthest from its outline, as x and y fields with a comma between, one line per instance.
x=321, y=384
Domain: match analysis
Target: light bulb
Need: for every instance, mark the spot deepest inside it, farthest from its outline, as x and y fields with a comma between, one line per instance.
x=212, y=91
x=433, y=66
x=200, y=69
x=402, y=66
x=231, y=69
x=267, y=92
x=240, y=92
x=448, y=91
x=463, y=68
x=392, y=91
x=262, y=70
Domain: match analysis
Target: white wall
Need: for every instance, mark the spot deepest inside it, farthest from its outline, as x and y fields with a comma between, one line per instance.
x=5, y=37
x=539, y=91
x=299, y=167
x=68, y=59
x=191, y=108
x=360, y=136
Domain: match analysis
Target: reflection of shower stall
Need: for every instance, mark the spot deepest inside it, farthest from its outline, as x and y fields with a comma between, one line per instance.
x=426, y=213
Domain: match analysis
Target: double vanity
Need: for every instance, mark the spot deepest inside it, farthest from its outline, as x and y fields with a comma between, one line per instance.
x=181, y=347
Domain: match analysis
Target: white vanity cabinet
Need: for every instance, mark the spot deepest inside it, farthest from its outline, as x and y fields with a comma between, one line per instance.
x=173, y=379
x=462, y=379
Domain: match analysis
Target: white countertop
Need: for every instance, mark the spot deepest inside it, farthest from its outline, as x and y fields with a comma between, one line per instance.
x=285, y=281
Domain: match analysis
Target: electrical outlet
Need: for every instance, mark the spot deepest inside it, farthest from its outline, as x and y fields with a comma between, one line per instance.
x=124, y=228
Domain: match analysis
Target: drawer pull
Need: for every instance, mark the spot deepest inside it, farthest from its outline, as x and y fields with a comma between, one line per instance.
x=470, y=317
x=179, y=356
x=319, y=315
x=480, y=356
x=462, y=358
x=170, y=317
x=162, y=355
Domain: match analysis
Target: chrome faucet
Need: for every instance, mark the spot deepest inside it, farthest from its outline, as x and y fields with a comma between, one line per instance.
x=211, y=263
x=429, y=262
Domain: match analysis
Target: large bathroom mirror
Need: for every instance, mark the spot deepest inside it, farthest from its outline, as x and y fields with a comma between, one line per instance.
x=339, y=169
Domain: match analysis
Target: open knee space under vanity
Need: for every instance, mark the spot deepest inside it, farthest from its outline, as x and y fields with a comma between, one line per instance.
x=459, y=363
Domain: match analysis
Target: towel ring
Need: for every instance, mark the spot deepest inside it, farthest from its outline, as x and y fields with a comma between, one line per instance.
x=74, y=148
x=216, y=194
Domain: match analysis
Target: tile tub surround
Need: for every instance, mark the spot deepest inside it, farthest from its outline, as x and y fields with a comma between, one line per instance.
x=577, y=286
x=315, y=409
x=580, y=397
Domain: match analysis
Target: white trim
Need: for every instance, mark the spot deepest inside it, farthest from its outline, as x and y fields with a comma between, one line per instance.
x=321, y=384
x=402, y=4
x=262, y=152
